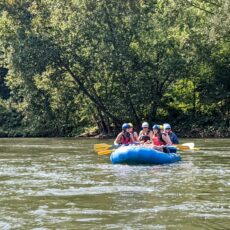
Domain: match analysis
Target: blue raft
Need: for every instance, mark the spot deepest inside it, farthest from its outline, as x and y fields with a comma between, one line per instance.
x=142, y=155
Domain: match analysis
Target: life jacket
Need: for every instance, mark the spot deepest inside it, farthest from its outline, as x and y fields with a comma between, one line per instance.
x=145, y=137
x=158, y=140
x=173, y=138
x=125, y=138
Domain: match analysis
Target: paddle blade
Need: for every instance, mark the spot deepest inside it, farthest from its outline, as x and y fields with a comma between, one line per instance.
x=104, y=152
x=189, y=145
x=101, y=146
x=181, y=147
x=186, y=146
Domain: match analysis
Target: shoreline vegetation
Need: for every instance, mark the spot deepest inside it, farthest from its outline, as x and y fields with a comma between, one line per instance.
x=82, y=68
x=210, y=132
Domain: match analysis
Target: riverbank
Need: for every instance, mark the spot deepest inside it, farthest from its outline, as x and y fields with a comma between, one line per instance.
x=196, y=132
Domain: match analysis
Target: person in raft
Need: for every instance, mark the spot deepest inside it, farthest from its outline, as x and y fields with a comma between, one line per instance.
x=146, y=135
x=125, y=137
x=172, y=135
x=160, y=139
x=135, y=135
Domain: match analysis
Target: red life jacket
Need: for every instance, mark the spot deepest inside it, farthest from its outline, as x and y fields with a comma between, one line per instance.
x=125, y=139
x=158, y=141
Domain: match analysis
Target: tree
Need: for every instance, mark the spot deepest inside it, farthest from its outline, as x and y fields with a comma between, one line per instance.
x=79, y=63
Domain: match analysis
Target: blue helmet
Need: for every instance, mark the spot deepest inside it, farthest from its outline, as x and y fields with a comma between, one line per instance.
x=125, y=126
x=167, y=126
x=156, y=127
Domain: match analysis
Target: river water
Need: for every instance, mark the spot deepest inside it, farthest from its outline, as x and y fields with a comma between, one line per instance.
x=62, y=184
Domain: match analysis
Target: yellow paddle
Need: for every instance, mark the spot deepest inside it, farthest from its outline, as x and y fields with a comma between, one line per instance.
x=105, y=152
x=187, y=146
x=108, y=151
x=182, y=147
x=101, y=146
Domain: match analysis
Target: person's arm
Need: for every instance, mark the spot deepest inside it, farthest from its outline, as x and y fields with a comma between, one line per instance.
x=140, y=134
x=131, y=138
x=151, y=135
x=175, y=139
x=166, y=139
x=135, y=137
x=118, y=139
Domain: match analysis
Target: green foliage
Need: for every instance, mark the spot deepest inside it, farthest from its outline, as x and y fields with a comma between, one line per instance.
x=79, y=64
x=10, y=120
x=4, y=91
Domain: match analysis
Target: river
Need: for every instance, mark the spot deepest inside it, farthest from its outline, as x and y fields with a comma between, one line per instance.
x=60, y=183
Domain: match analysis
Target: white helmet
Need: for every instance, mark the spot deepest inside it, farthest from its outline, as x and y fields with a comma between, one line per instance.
x=167, y=126
x=145, y=125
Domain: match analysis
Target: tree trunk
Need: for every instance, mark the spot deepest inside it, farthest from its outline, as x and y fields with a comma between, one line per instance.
x=95, y=100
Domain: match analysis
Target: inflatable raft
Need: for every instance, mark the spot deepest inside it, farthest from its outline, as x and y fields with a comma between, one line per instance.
x=142, y=155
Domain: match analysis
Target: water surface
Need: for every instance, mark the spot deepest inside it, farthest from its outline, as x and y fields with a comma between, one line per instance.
x=62, y=184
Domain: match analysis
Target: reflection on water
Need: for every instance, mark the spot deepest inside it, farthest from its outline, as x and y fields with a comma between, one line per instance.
x=63, y=184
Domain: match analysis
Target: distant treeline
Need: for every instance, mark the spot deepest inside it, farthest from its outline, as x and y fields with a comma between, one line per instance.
x=74, y=66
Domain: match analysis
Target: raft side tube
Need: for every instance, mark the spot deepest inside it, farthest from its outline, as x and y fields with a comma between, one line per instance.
x=142, y=155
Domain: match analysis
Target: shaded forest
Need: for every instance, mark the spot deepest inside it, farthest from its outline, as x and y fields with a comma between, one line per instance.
x=69, y=67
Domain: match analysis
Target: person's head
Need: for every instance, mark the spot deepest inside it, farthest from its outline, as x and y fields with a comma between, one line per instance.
x=131, y=126
x=161, y=128
x=145, y=125
x=126, y=127
x=156, y=129
x=167, y=128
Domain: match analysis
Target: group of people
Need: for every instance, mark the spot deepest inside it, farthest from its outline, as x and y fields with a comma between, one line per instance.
x=159, y=137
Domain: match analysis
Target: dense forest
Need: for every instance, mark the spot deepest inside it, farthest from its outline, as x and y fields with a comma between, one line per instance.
x=69, y=67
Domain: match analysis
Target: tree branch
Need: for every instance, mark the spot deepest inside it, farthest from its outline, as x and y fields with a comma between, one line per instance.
x=95, y=100
x=198, y=7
